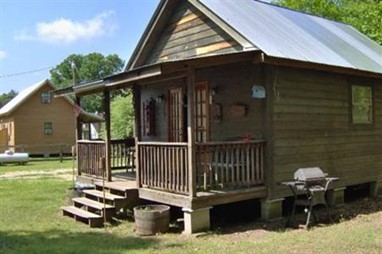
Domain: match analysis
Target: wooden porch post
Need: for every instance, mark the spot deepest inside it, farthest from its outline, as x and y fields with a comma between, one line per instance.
x=90, y=131
x=137, y=128
x=137, y=111
x=78, y=118
x=106, y=100
x=191, y=133
x=78, y=132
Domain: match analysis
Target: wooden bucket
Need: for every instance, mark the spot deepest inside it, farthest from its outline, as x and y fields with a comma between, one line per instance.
x=151, y=219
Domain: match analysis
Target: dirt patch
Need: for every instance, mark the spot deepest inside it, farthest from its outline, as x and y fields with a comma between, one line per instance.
x=66, y=174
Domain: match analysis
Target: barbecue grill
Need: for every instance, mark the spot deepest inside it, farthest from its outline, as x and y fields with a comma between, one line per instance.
x=309, y=188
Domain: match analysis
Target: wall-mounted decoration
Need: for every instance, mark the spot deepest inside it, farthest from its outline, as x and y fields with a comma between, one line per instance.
x=238, y=110
x=148, y=108
x=160, y=99
x=258, y=92
x=216, y=113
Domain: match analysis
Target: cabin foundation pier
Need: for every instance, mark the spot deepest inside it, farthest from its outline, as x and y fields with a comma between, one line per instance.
x=271, y=210
x=196, y=220
x=376, y=188
x=336, y=198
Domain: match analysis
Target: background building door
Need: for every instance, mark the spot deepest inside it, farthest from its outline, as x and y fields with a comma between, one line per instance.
x=3, y=139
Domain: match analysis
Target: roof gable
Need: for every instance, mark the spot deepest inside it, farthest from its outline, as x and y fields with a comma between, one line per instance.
x=22, y=96
x=277, y=31
x=189, y=33
x=28, y=92
x=179, y=30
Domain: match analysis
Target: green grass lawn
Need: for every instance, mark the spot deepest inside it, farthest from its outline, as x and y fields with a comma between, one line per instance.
x=31, y=222
x=39, y=164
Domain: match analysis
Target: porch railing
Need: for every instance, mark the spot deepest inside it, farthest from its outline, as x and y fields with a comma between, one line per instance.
x=90, y=153
x=229, y=164
x=123, y=153
x=164, y=166
x=219, y=165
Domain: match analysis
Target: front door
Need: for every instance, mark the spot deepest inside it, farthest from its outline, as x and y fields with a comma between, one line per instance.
x=202, y=128
x=176, y=115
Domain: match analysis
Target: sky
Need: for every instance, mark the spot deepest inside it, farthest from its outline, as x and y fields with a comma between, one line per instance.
x=37, y=35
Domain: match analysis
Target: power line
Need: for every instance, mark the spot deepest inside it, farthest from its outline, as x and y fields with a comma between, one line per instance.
x=25, y=72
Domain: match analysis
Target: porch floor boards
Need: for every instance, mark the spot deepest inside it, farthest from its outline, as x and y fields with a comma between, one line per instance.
x=117, y=184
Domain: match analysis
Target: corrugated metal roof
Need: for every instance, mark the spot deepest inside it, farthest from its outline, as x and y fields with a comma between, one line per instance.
x=284, y=33
x=21, y=97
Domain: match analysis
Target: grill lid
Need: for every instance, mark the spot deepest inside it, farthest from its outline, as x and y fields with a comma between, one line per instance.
x=309, y=174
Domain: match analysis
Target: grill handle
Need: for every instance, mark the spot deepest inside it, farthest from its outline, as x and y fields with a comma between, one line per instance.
x=329, y=180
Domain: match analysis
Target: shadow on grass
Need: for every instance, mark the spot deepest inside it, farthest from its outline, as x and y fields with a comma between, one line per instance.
x=58, y=241
x=360, y=206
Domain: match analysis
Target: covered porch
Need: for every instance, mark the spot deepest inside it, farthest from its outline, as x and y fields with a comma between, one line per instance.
x=177, y=158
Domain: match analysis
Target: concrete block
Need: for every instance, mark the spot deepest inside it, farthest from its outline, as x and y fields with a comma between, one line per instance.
x=271, y=210
x=335, y=197
x=376, y=188
x=196, y=220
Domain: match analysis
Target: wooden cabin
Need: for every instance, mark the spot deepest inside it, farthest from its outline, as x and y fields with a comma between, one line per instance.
x=33, y=122
x=232, y=98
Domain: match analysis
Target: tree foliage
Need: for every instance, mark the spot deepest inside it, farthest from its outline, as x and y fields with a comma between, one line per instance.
x=364, y=15
x=122, y=116
x=87, y=67
x=6, y=97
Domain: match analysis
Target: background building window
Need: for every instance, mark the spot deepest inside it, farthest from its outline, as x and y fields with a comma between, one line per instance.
x=46, y=97
x=48, y=128
x=362, y=105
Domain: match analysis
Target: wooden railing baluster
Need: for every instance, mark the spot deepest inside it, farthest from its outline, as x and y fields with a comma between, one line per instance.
x=231, y=164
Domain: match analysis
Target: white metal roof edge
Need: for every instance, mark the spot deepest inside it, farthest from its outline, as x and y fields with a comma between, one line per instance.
x=22, y=96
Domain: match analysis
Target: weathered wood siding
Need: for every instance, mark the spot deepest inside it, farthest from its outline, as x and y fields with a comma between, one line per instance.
x=161, y=109
x=233, y=86
x=190, y=33
x=29, y=123
x=311, y=127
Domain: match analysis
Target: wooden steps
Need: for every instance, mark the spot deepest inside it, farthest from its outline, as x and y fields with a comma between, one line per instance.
x=91, y=203
x=115, y=200
x=90, y=208
x=116, y=186
x=95, y=207
x=93, y=220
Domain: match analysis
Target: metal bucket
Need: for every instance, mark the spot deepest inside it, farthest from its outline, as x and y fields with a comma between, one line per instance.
x=151, y=219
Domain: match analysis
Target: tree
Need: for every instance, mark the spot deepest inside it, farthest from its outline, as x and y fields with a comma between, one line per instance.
x=364, y=15
x=87, y=68
x=122, y=116
x=6, y=97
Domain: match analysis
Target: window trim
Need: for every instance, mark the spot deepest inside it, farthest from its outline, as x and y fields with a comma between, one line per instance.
x=46, y=97
x=48, y=131
x=351, y=111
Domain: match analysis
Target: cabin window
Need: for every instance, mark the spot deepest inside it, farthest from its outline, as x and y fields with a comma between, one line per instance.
x=46, y=97
x=362, y=104
x=48, y=128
